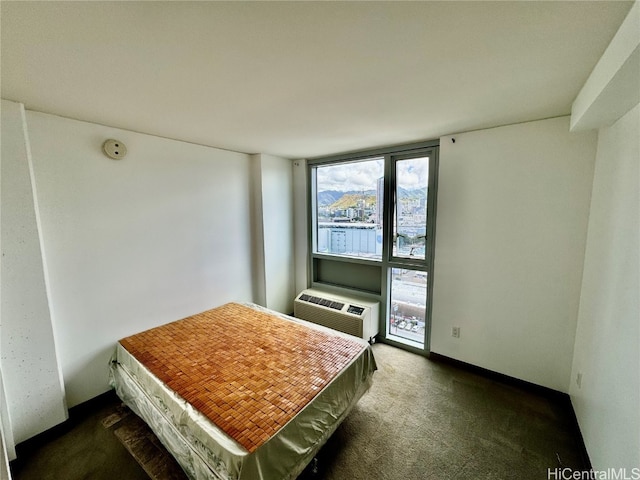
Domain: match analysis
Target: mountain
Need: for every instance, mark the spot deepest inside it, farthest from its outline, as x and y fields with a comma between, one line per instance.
x=415, y=193
x=351, y=200
x=328, y=197
x=342, y=200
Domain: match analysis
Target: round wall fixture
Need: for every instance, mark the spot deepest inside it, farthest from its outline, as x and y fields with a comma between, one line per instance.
x=114, y=149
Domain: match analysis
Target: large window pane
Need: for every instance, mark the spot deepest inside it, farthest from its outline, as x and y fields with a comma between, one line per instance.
x=349, y=199
x=410, y=209
x=408, y=306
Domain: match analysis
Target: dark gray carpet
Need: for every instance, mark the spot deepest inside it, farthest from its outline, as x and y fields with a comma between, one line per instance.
x=420, y=420
x=427, y=420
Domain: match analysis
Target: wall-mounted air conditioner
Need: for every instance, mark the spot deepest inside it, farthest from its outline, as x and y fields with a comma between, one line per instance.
x=352, y=315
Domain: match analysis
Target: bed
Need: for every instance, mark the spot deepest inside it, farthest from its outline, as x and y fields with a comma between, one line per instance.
x=242, y=392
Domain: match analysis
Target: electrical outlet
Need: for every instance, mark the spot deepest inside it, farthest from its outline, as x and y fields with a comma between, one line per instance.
x=579, y=379
x=455, y=332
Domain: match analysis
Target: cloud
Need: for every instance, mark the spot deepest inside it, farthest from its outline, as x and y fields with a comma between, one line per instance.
x=413, y=173
x=351, y=176
x=363, y=175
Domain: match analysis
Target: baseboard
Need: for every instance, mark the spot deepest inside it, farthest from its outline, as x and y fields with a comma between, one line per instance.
x=501, y=377
x=583, y=448
x=562, y=398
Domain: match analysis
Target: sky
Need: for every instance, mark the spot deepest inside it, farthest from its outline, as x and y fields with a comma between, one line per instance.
x=363, y=175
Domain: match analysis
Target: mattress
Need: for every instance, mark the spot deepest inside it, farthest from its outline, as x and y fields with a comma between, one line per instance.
x=247, y=394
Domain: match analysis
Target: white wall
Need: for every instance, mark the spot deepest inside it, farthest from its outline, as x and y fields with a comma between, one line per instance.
x=300, y=234
x=8, y=450
x=277, y=205
x=607, y=349
x=134, y=243
x=30, y=369
x=613, y=86
x=513, y=204
x=605, y=387
x=272, y=191
x=257, y=221
x=7, y=442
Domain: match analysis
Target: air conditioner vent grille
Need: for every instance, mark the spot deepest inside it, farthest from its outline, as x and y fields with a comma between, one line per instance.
x=352, y=315
x=321, y=301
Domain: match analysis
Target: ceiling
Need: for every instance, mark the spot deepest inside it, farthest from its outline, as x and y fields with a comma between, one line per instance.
x=302, y=79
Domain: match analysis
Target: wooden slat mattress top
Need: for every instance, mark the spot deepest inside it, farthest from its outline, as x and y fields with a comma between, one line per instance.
x=248, y=371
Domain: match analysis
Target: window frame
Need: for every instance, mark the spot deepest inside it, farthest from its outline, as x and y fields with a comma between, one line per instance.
x=312, y=183
x=391, y=155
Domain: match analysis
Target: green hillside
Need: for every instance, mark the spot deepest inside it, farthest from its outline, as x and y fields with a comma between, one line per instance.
x=351, y=200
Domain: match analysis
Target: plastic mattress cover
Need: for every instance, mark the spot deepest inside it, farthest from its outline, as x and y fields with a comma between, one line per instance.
x=206, y=452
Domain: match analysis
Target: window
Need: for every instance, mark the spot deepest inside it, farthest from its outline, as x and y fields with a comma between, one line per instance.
x=349, y=200
x=410, y=208
x=372, y=225
x=408, y=304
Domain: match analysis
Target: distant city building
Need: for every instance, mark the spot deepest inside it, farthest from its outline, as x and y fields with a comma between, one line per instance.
x=355, y=239
x=379, y=200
